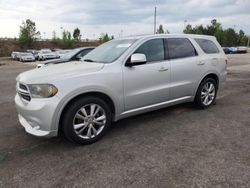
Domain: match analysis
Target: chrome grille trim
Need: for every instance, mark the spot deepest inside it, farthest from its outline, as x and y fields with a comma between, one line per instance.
x=23, y=91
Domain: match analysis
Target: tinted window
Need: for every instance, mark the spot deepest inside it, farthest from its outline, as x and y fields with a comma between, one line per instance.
x=207, y=46
x=83, y=53
x=180, y=48
x=153, y=50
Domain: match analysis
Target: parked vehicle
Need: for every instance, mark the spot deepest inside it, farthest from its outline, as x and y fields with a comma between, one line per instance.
x=34, y=52
x=242, y=49
x=60, y=53
x=73, y=55
x=45, y=54
x=14, y=55
x=26, y=56
x=56, y=49
x=120, y=78
x=18, y=55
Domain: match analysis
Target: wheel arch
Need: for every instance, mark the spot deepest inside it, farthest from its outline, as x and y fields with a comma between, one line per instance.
x=209, y=75
x=98, y=94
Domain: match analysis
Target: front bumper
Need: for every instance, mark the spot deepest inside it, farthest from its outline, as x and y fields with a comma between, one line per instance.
x=28, y=59
x=36, y=116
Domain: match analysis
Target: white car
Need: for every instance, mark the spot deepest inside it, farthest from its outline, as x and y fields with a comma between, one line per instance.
x=242, y=49
x=45, y=54
x=61, y=53
x=26, y=56
x=14, y=55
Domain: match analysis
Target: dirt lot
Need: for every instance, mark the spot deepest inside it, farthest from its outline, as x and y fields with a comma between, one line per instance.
x=174, y=147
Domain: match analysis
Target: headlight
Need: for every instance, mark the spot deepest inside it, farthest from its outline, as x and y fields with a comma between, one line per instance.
x=42, y=90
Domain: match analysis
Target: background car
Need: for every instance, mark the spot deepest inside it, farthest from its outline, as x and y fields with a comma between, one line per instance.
x=45, y=54
x=26, y=56
x=61, y=53
x=73, y=55
x=242, y=49
x=14, y=55
x=230, y=50
x=34, y=52
x=18, y=55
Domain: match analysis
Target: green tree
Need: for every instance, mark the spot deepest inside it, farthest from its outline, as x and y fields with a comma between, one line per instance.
x=105, y=38
x=226, y=37
x=76, y=34
x=188, y=29
x=67, y=41
x=55, y=40
x=160, y=30
x=28, y=33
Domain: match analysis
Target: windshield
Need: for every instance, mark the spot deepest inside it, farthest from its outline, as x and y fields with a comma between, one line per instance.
x=69, y=54
x=109, y=52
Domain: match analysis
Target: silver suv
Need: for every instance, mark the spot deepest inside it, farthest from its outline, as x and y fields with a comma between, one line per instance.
x=118, y=79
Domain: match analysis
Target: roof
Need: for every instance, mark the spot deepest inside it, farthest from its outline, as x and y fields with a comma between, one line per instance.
x=168, y=35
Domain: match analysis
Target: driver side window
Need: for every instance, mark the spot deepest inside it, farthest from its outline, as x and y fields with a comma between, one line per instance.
x=153, y=50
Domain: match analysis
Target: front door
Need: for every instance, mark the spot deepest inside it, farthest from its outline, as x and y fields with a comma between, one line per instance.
x=148, y=83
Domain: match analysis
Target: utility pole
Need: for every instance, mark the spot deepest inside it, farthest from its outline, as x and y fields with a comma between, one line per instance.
x=248, y=41
x=155, y=21
x=185, y=24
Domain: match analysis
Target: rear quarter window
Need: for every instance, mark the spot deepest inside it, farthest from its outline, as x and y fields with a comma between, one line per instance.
x=207, y=46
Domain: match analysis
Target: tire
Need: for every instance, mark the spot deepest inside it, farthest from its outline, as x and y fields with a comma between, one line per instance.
x=205, y=97
x=74, y=115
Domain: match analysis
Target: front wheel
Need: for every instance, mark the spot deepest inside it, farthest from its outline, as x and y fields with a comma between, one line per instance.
x=86, y=120
x=206, y=93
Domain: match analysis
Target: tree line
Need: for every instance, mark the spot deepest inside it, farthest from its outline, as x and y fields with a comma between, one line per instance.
x=226, y=37
x=28, y=34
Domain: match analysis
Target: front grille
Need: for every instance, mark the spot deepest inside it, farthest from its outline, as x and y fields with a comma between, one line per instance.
x=26, y=97
x=23, y=91
x=23, y=87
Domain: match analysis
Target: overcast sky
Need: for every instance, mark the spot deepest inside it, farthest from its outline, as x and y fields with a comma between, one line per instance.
x=120, y=17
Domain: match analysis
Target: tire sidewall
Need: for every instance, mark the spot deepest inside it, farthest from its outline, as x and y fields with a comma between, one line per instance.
x=198, y=99
x=67, y=123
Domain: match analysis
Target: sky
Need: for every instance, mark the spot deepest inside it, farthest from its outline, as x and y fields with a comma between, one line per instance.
x=120, y=17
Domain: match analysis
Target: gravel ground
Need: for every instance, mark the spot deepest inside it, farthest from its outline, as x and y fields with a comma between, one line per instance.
x=178, y=146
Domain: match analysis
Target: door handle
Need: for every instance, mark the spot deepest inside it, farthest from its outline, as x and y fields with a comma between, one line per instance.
x=162, y=69
x=201, y=63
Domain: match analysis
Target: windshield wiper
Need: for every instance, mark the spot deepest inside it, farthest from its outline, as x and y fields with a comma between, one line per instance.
x=88, y=60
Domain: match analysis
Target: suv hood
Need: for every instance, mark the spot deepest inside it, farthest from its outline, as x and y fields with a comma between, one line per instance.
x=59, y=72
x=54, y=61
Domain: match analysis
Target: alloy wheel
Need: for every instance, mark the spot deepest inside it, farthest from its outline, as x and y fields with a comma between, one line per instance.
x=208, y=93
x=89, y=121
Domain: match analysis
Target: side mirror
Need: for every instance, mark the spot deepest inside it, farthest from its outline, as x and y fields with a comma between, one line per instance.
x=137, y=59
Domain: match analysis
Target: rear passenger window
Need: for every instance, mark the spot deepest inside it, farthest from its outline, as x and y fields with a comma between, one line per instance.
x=153, y=50
x=180, y=48
x=207, y=46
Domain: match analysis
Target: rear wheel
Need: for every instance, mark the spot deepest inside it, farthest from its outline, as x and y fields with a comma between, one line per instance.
x=86, y=120
x=206, y=93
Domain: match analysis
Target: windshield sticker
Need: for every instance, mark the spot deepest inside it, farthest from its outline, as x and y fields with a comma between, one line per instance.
x=125, y=45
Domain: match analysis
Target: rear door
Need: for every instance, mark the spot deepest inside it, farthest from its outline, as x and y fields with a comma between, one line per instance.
x=186, y=67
